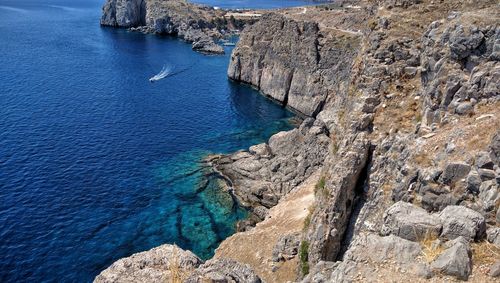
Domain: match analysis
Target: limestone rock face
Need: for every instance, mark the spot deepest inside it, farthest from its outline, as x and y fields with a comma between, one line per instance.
x=335, y=204
x=124, y=13
x=410, y=222
x=301, y=75
x=378, y=249
x=460, y=67
x=223, y=270
x=154, y=265
x=268, y=172
x=366, y=257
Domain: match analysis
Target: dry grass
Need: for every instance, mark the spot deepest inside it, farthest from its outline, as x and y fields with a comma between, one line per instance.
x=255, y=247
x=430, y=248
x=468, y=134
x=177, y=274
x=307, y=220
x=485, y=253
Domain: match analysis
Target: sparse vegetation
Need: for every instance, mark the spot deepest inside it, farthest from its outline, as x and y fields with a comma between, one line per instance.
x=307, y=220
x=485, y=253
x=177, y=275
x=304, y=257
x=320, y=188
x=431, y=249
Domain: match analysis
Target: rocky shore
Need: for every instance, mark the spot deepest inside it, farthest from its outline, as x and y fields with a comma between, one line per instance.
x=402, y=140
x=200, y=25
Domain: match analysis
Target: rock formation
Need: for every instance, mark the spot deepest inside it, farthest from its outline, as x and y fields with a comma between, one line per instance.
x=199, y=25
x=401, y=102
x=302, y=75
x=169, y=263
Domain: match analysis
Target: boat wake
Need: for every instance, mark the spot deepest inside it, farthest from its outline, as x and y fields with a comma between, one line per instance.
x=165, y=72
x=66, y=8
x=8, y=8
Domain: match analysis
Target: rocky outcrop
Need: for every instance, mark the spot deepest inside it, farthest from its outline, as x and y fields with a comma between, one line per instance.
x=261, y=176
x=287, y=247
x=199, y=25
x=459, y=67
x=410, y=222
x=161, y=264
x=297, y=63
x=223, y=270
x=169, y=263
x=335, y=205
x=124, y=13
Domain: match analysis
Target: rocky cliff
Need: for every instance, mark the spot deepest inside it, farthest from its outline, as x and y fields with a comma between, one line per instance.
x=199, y=25
x=403, y=139
x=301, y=64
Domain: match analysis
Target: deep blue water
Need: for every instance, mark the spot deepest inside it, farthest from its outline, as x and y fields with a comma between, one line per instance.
x=96, y=162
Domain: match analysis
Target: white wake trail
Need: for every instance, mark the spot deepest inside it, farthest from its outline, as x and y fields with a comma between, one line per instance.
x=8, y=8
x=165, y=72
x=66, y=8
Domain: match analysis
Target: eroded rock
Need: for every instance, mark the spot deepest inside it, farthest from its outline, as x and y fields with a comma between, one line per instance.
x=223, y=270
x=459, y=221
x=410, y=222
x=455, y=260
x=155, y=265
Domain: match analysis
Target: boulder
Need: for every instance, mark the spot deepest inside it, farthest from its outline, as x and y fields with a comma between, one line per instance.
x=483, y=160
x=368, y=256
x=454, y=172
x=223, y=270
x=455, y=260
x=262, y=150
x=489, y=195
x=286, y=248
x=461, y=221
x=473, y=181
x=374, y=248
x=410, y=222
x=495, y=269
x=493, y=235
x=486, y=174
x=495, y=148
x=464, y=108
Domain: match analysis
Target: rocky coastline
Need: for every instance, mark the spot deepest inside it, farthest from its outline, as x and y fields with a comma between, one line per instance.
x=202, y=26
x=396, y=168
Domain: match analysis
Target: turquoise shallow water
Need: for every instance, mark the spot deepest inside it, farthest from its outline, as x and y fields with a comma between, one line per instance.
x=96, y=162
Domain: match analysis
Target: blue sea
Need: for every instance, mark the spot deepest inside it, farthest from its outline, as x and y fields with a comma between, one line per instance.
x=98, y=163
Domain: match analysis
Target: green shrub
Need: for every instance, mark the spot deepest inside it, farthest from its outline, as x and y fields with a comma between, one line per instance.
x=304, y=257
x=307, y=222
x=320, y=187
